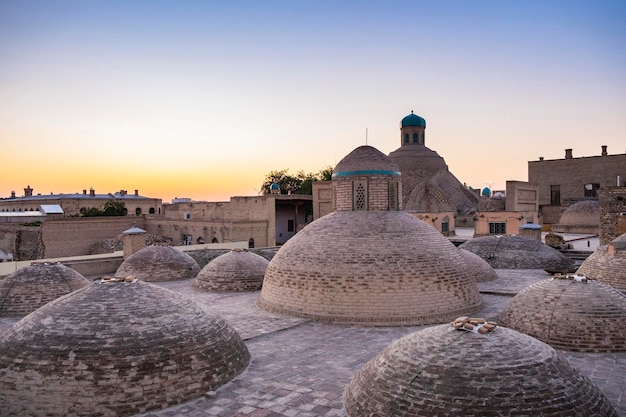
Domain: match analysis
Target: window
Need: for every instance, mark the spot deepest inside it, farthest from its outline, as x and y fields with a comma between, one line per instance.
x=290, y=225
x=138, y=211
x=445, y=226
x=187, y=216
x=497, y=228
x=415, y=138
x=359, y=195
x=591, y=190
x=406, y=138
x=393, y=196
x=151, y=211
x=555, y=195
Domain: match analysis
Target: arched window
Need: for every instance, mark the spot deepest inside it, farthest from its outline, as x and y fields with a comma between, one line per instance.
x=406, y=138
x=415, y=138
x=251, y=243
x=151, y=211
x=138, y=211
x=214, y=240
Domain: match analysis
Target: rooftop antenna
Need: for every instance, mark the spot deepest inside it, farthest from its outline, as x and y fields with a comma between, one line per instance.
x=366, y=136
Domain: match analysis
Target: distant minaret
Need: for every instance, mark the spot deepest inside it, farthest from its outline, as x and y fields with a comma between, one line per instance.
x=412, y=129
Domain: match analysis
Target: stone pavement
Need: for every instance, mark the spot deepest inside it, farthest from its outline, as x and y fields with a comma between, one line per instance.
x=301, y=368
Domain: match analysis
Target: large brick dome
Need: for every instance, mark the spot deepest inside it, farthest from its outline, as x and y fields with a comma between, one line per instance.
x=580, y=217
x=237, y=270
x=115, y=349
x=441, y=372
x=159, y=263
x=517, y=252
x=29, y=288
x=571, y=315
x=370, y=267
x=607, y=264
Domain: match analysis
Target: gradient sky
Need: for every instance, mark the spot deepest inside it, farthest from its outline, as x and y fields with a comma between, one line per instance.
x=201, y=99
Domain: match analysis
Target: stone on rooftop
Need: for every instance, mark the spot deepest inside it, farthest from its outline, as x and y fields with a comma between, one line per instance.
x=442, y=372
x=32, y=287
x=158, y=263
x=115, y=349
x=237, y=270
x=570, y=313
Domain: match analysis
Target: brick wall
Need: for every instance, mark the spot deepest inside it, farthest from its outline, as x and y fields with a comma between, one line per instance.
x=612, y=209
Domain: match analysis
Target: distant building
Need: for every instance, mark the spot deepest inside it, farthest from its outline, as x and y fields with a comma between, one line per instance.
x=565, y=181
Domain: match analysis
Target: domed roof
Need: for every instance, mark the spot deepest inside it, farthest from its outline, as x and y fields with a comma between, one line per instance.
x=413, y=120
x=478, y=267
x=365, y=160
x=607, y=264
x=237, y=270
x=580, y=217
x=369, y=267
x=115, y=349
x=517, y=252
x=29, y=288
x=158, y=263
x=437, y=372
x=570, y=313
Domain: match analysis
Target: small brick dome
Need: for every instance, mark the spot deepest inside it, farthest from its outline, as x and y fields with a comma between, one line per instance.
x=570, y=315
x=158, y=263
x=441, y=372
x=24, y=291
x=580, y=217
x=369, y=267
x=115, y=349
x=517, y=252
x=607, y=264
x=365, y=160
x=237, y=270
x=478, y=267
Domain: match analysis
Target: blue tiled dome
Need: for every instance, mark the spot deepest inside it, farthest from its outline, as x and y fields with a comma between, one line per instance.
x=413, y=120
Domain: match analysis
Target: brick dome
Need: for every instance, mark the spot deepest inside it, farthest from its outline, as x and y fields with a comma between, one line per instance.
x=237, y=270
x=607, y=264
x=365, y=160
x=159, y=263
x=441, y=372
x=29, y=288
x=369, y=267
x=478, y=267
x=580, y=217
x=570, y=315
x=115, y=349
x=517, y=252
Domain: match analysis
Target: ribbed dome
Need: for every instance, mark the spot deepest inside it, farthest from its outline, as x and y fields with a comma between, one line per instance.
x=441, y=372
x=237, y=270
x=517, y=252
x=29, y=288
x=607, y=264
x=570, y=315
x=115, y=349
x=158, y=263
x=478, y=267
x=412, y=120
x=365, y=160
x=369, y=267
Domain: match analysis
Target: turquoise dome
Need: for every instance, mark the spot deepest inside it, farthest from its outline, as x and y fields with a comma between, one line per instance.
x=413, y=120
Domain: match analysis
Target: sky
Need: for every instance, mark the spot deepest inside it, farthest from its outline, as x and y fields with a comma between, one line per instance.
x=201, y=99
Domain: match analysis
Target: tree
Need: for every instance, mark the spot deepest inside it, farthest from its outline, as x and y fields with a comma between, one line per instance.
x=301, y=183
x=110, y=208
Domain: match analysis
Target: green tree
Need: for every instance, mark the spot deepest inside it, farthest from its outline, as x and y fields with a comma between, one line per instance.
x=114, y=208
x=301, y=183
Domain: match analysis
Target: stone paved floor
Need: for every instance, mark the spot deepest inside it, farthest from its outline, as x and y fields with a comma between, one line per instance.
x=300, y=367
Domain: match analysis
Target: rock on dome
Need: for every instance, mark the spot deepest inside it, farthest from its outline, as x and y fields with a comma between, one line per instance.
x=607, y=264
x=580, y=217
x=29, y=288
x=570, y=315
x=237, y=270
x=158, y=263
x=517, y=252
x=439, y=372
x=115, y=349
x=478, y=267
x=369, y=267
x=413, y=120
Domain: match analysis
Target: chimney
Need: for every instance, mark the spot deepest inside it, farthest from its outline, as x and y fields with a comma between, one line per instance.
x=604, y=150
x=568, y=154
x=28, y=192
x=541, y=158
x=84, y=192
x=136, y=193
x=12, y=194
x=123, y=193
x=92, y=192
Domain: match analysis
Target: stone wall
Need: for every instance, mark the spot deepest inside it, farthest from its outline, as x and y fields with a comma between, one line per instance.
x=612, y=213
